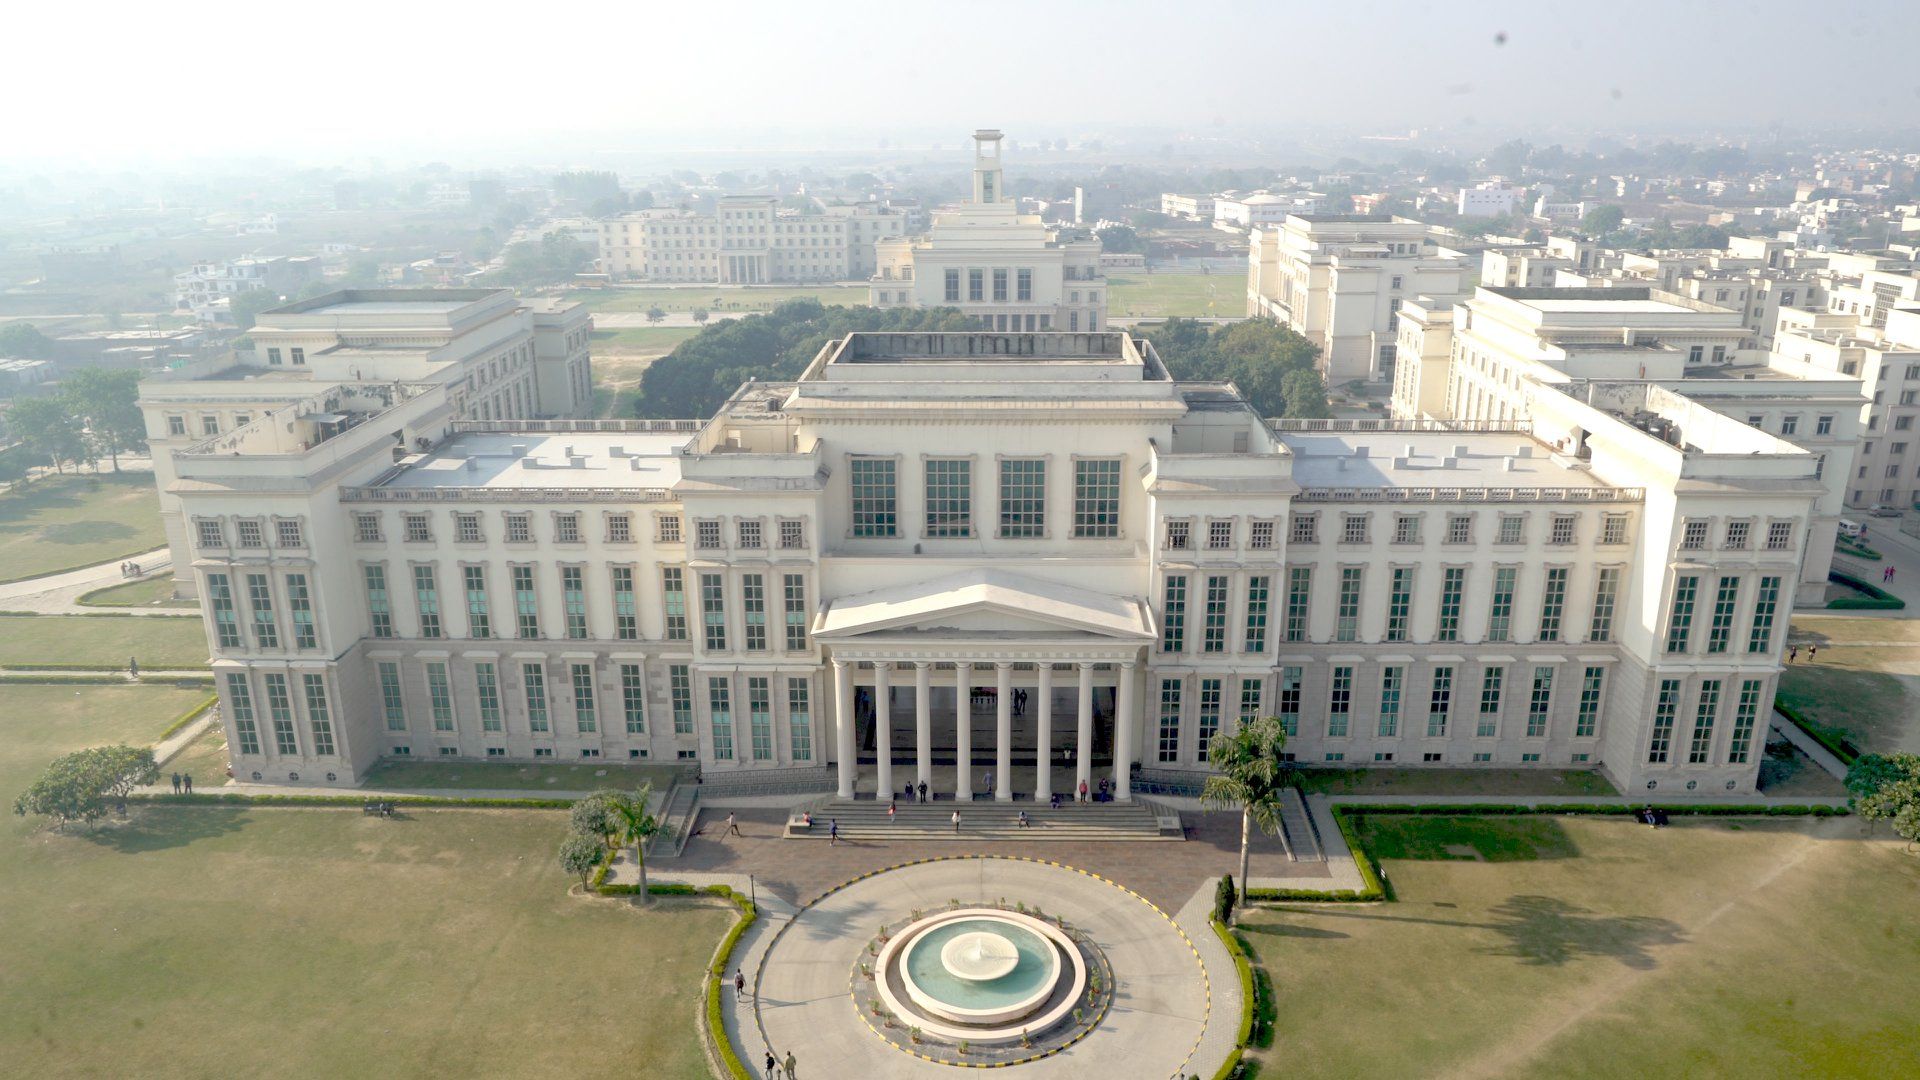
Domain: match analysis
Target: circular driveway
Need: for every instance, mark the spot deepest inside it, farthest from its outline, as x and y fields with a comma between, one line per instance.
x=1161, y=1001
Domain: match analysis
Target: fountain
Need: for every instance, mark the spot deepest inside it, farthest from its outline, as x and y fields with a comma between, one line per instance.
x=981, y=975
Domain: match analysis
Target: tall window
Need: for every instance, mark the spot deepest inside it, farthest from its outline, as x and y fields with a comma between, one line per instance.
x=800, y=719
x=1553, y=603
x=626, y=611
x=440, y=695
x=379, y=610
x=426, y=599
x=976, y=285
x=1726, y=601
x=1680, y=619
x=1746, y=711
x=392, y=699
x=1540, y=702
x=949, y=497
x=1347, y=612
x=1492, y=681
x=1169, y=748
x=479, y=617
x=1453, y=583
x=680, y=694
x=586, y=717
x=300, y=609
x=720, y=710
x=573, y=598
x=795, y=588
x=1096, y=498
x=1760, y=637
x=1500, y=605
x=759, y=718
x=227, y=628
x=1339, y=702
x=319, y=718
x=713, y=610
x=1288, y=705
x=1250, y=692
x=1214, y=630
x=240, y=700
x=875, y=507
x=673, y=592
x=1665, y=706
x=1299, y=593
x=1399, y=603
x=1700, y=750
x=280, y=711
x=1257, y=588
x=753, y=611
x=534, y=678
x=633, y=698
x=266, y=631
x=486, y=690
x=1440, y=702
x=1023, y=285
x=1173, y=615
x=1606, y=594
x=1587, y=722
x=999, y=286
x=1392, y=681
x=952, y=293
x=1209, y=715
x=1023, y=498
x=526, y=603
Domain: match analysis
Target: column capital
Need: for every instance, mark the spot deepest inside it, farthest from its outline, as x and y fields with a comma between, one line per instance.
x=923, y=665
x=1086, y=665
x=838, y=664
x=1129, y=665
x=1003, y=665
x=883, y=665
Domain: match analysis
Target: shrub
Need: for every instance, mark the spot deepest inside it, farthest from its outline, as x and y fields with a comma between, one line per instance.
x=1874, y=598
x=1223, y=899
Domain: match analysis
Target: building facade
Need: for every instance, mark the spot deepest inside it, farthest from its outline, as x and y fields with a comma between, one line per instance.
x=207, y=289
x=861, y=575
x=746, y=240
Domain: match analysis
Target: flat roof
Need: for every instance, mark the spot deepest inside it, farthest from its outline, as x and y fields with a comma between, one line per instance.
x=1439, y=459
x=490, y=460
x=1573, y=306
x=390, y=307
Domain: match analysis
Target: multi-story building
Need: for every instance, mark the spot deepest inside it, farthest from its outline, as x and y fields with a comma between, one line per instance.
x=747, y=240
x=1339, y=280
x=1007, y=270
x=1490, y=199
x=499, y=357
x=207, y=288
x=1190, y=207
x=861, y=568
x=1885, y=358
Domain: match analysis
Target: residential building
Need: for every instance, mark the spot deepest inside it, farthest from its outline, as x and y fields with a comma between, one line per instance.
x=1491, y=199
x=1190, y=207
x=747, y=240
x=207, y=288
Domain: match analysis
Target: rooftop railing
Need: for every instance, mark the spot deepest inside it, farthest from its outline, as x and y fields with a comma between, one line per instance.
x=361, y=494
x=1471, y=494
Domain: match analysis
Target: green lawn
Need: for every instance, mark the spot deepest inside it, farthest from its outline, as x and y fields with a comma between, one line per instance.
x=482, y=775
x=193, y=942
x=70, y=521
x=156, y=591
x=1466, y=783
x=1188, y=295
x=712, y=298
x=205, y=759
x=1595, y=947
x=1872, y=709
x=103, y=641
x=655, y=340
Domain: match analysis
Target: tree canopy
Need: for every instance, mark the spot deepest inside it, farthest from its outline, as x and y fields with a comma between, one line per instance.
x=1887, y=787
x=1271, y=364
x=79, y=786
x=24, y=341
x=555, y=259
x=244, y=306
x=96, y=413
x=1121, y=240
x=1602, y=219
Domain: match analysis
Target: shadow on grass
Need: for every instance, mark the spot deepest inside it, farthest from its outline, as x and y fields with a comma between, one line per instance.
x=1520, y=838
x=1544, y=931
x=160, y=828
x=1288, y=930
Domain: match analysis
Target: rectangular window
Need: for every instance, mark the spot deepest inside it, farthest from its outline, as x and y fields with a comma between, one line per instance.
x=240, y=700
x=1353, y=528
x=366, y=528
x=586, y=716
x=1299, y=593
x=633, y=698
x=1680, y=619
x=211, y=533
x=1492, y=681
x=1249, y=701
x=1500, y=605
x=1399, y=603
x=1779, y=535
x=800, y=719
x=875, y=510
x=1553, y=603
x=392, y=699
x=1453, y=584
x=300, y=609
x=573, y=596
x=1220, y=535
x=1668, y=703
x=1292, y=680
x=750, y=535
x=440, y=696
x=1460, y=529
x=626, y=611
x=680, y=691
x=1440, y=703
x=319, y=718
x=720, y=707
x=753, y=611
x=1214, y=631
x=1726, y=601
x=526, y=603
x=1173, y=615
x=426, y=600
x=1746, y=711
x=1257, y=588
x=1023, y=286
x=1347, y=611
x=952, y=293
x=479, y=619
x=418, y=530
x=793, y=535
x=1588, y=720
x=1693, y=535
x=1760, y=637
x=1096, y=498
x=1339, y=702
x=1700, y=749
x=280, y=711
x=1513, y=529
x=619, y=528
x=760, y=718
x=466, y=528
x=1209, y=715
x=706, y=535
x=949, y=497
x=1406, y=529
x=713, y=610
x=673, y=587
x=1606, y=593
x=1169, y=748
x=486, y=690
x=1306, y=529
x=220, y=601
x=1179, y=534
x=247, y=534
x=667, y=528
x=1260, y=535
x=1560, y=531
x=1738, y=534
x=999, y=286
x=1392, y=679
x=534, y=676
x=266, y=630
x=519, y=529
x=1023, y=498
x=1613, y=529
x=566, y=528
x=976, y=285
x=1540, y=702
x=795, y=600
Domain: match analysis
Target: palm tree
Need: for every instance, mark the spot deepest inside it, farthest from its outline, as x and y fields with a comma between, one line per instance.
x=1251, y=778
x=636, y=825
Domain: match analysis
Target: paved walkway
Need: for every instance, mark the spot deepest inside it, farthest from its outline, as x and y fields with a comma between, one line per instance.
x=59, y=594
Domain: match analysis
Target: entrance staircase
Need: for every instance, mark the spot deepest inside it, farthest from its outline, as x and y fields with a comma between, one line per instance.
x=985, y=820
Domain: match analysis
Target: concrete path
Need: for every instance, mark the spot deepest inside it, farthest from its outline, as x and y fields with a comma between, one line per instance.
x=59, y=594
x=178, y=741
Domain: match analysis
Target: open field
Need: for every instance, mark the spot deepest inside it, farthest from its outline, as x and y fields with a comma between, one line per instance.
x=102, y=641
x=195, y=942
x=1595, y=947
x=1462, y=782
x=1865, y=682
x=205, y=759
x=716, y=298
x=477, y=776
x=616, y=379
x=73, y=521
x=648, y=340
x=156, y=591
x=1188, y=295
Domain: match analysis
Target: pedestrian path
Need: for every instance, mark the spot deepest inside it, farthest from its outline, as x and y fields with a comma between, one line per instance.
x=59, y=594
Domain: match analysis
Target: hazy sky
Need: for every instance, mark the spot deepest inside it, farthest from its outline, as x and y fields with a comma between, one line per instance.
x=326, y=81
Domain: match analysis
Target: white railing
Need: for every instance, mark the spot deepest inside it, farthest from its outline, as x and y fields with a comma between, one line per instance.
x=1471, y=494
x=1510, y=427
x=511, y=427
x=504, y=494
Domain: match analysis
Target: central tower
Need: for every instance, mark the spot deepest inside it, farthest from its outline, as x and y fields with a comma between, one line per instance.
x=987, y=188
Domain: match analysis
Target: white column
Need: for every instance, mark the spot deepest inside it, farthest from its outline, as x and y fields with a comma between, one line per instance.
x=1083, y=751
x=1043, y=741
x=1003, y=753
x=1123, y=728
x=963, y=730
x=843, y=717
x=923, y=721
x=882, y=729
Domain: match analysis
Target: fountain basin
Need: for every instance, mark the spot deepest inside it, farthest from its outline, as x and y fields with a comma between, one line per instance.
x=981, y=974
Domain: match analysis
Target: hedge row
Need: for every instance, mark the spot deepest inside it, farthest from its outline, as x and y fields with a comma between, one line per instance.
x=717, y=975
x=1837, y=744
x=1244, y=969
x=1570, y=809
x=107, y=668
x=231, y=798
x=1876, y=598
x=184, y=614
x=189, y=716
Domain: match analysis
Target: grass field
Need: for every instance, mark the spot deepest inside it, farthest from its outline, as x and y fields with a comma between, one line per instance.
x=205, y=759
x=156, y=591
x=1187, y=295
x=474, y=776
x=713, y=298
x=70, y=521
x=194, y=942
x=1595, y=947
x=650, y=340
x=1865, y=683
x=102, y=641
x=1461, y=782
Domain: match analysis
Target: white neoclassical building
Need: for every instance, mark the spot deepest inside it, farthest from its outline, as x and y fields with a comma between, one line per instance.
x=939, y=557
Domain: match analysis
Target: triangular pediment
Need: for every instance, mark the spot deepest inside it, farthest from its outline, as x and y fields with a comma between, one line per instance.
x=979, y=602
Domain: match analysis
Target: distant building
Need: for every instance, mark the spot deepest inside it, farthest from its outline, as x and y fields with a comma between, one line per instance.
x=17, y=375
x=1190, y=207
x=1487, y=200
x=747, y=240
x=207, y=288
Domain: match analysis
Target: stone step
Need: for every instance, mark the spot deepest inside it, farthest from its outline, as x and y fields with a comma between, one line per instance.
x=985, y=820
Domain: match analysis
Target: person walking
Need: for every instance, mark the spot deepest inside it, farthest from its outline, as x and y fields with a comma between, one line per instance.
x=1812, y=651
x=1793, y=653
x=133, y=667
x=733, y=827
x=791, y=1074
x=988, y=785
x=739, y=983
x=891, y=807
x=176, y=783
x=923, y=791
x=956, y=821
x=187, y=779
x=1083, y=791
x=833, y=831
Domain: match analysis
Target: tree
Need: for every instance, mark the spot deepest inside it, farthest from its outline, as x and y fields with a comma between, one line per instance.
x=1250, y=777
x=1306, y=395
x=109, y=404
x=580, y=854
x=77, y=786
x=1149, y=219
x=655, y=314
x=24, y=341
x=593, y=816
x=637, y=825
x=48, y=430
x=243, y=306
x=1257, y=355
x=700, y=315
x=1120, y=239
x=1887, y=786
x=1602, y=220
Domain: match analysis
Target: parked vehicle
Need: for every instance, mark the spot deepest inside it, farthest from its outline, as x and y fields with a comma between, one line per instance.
x=1851, y=529
x=1883, y=510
